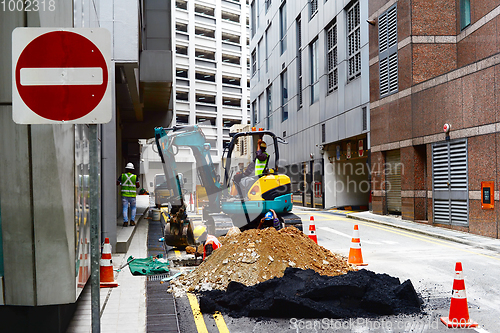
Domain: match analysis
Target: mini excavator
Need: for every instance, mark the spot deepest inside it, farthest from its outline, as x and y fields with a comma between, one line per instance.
x=230, y=203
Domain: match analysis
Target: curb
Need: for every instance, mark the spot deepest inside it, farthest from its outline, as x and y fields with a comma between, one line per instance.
x=427, y=233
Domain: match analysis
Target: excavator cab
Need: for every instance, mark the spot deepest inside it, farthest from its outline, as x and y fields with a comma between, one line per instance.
x=252, y=195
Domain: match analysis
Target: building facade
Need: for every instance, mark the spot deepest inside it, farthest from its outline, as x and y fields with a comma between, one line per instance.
x=434, y=66
x=211, y=86
x=44, y=188
x=310, y=85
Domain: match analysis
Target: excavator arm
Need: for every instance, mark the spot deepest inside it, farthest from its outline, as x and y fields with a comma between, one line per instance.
x=168, y=140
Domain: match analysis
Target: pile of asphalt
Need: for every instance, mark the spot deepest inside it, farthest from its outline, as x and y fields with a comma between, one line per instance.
x=307, y=294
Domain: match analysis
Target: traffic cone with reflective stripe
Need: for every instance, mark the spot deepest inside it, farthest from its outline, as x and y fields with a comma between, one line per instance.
x=106, y=267
x=459, y=312
x=81, y=281
x=355, y=256
x=312, y=230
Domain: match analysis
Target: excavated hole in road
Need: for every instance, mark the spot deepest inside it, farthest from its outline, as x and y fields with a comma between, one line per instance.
x=284, y=274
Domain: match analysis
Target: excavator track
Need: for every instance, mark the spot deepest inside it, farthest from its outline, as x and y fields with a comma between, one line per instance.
x=218, y=224
x=291, y=220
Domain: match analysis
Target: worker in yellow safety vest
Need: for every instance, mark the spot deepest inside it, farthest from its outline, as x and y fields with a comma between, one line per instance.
x=256, y=167
x=129, y=182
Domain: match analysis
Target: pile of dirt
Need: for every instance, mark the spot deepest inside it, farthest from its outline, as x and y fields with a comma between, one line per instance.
x=307, y=294
x=254, y=256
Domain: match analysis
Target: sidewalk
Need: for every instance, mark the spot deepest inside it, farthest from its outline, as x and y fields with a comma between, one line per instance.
x=429, y=230
x=123, y=309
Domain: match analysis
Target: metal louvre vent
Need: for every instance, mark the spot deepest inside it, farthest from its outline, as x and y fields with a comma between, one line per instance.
x=332, y=59
x=314, y=7
x=354, y=41
x=450, y=182
x=388, y=51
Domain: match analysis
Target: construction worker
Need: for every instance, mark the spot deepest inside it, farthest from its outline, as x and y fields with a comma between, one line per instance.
x=129, y=182
x=262, y=158
x=211, y=244
x=270, y=219
x=258, y=165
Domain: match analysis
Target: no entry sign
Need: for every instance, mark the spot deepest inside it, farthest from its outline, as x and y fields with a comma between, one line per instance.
x=61, y=76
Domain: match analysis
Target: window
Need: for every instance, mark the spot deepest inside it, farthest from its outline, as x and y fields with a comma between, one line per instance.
x=199, y=9
x=230, y=59
x=205, y=121
x=314, y=7
x=180, y=72
x=388, y=51
x=181, y=49
x=204, y=32
x=259, y=52
x=267, y=48
x=269, y=107
x=254, y=15
x=464, y=14
x=235, y=81
x=283, y=28
x=332, y=58
x=182, y=27
x=205, y=76
x=323, y=133
x=314, y=72
x=181, y=4
x=227, y=37
x=182, y=119
x=254, y=62
x=284, y=96
x=299, y=61
x=229, y=122
x=182, y=96
x=204, y=54
x=268, y=4
x=228, y=101
x=353, y=41
x=255, y=112
x=202, y=98
x=230, y=17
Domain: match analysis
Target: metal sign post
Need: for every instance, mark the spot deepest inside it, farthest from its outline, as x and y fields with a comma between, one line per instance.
x=62, y=76
x=94, y=227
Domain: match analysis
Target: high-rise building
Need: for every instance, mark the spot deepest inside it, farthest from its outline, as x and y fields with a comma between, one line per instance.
x=310, y=85
x=211, y=82
x=434, y=112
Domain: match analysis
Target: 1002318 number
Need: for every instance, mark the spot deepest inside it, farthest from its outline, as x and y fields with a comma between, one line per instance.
x=27, y=5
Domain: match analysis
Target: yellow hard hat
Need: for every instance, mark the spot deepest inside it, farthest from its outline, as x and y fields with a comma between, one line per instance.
x=198, y=231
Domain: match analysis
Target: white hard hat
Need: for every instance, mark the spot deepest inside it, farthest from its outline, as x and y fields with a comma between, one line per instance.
x=130, y=166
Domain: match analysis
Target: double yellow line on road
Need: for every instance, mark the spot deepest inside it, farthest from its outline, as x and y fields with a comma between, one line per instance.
x=201, y=327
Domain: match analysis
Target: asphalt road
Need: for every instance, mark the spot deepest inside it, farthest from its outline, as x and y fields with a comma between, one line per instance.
x=428, y=262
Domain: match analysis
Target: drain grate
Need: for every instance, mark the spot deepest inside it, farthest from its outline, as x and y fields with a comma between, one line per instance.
x=157, y=277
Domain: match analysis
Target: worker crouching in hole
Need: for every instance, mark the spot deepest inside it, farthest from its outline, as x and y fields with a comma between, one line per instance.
x=211, y=244
x=270, y=220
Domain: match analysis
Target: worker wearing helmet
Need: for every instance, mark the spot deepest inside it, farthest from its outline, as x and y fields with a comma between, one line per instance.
x=258, y=165
x=211, y=244
x=129, y=182
x=270, y=220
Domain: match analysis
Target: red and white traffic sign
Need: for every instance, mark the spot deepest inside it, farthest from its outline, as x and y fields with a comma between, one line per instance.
x=61, y=76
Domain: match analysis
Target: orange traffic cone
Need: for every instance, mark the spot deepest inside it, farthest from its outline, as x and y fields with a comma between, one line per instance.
x=106, y=269
x=355, y=256
x=81, y=282
x=312, y=230
x=86, y=262
x=459, y=312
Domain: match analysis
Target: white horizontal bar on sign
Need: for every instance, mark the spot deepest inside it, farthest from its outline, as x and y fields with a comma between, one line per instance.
x=55, y=76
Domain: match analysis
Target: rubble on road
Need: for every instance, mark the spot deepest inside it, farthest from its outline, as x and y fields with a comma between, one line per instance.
x=254, y=256
x=306, y=294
